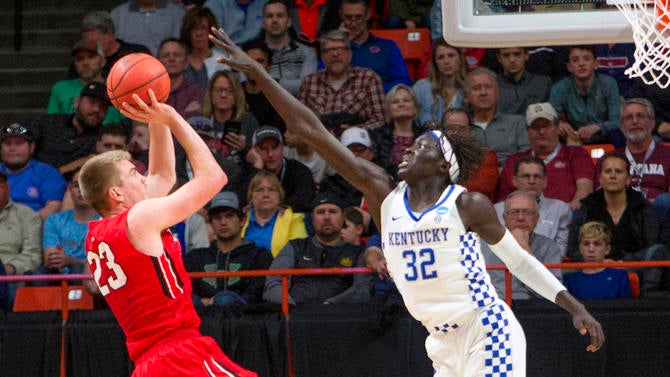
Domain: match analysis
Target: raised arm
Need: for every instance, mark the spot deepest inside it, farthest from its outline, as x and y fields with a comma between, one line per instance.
x=367, y=177
x=148, y=217
x=478, y=215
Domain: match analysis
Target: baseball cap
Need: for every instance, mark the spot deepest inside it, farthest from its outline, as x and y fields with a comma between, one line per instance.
x=16, y=130
x=356, y=135
x=540, y=110
x=95, y=90
x=325, y=197
x=98, y=19
x=266, y=132
x=225, y=199
x=87, y=44
x=202, y=126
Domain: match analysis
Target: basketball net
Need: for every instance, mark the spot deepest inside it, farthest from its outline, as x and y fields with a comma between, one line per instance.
x=650, y=22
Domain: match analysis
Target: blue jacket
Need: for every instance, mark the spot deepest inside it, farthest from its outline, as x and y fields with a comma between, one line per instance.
x=384, y=57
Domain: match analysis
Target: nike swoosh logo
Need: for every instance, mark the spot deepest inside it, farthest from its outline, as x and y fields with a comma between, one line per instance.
x=395, y=218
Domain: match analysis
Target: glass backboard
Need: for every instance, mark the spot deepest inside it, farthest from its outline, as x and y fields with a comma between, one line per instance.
x=509, y=23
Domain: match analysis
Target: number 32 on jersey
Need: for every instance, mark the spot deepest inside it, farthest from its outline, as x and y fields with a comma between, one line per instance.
x=419, y=264
x=115, y=279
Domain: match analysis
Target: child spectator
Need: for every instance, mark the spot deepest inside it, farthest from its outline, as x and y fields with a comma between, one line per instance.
x=600, y=282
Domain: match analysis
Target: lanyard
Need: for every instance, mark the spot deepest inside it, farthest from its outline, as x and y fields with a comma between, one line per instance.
x=638, y=169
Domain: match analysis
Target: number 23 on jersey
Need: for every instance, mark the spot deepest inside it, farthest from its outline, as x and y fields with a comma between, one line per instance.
x=115, y=278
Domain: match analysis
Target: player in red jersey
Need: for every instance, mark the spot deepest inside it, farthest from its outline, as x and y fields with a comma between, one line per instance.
x=136, y=262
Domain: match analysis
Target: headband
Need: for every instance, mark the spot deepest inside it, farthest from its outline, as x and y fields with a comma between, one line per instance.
x=448, y=153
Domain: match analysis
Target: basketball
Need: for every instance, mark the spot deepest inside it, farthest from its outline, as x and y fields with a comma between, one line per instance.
x=136, y=74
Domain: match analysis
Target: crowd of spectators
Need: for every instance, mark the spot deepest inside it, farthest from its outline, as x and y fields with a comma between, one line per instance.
x=284, y=207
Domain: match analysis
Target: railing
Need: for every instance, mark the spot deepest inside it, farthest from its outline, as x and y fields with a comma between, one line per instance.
x=285, y=273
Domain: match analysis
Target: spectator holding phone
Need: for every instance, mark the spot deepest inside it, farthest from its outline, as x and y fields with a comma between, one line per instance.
x=225, y=104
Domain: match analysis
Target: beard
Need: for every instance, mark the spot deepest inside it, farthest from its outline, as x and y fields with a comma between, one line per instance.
x=16, y=166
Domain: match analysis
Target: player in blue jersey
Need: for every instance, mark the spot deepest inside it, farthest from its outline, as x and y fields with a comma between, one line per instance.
x=431, y=229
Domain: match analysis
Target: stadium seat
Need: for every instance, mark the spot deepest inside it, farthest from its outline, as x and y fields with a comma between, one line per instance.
x=597, y=150
x=49, y=298
x=414, y=45
x=634, y=284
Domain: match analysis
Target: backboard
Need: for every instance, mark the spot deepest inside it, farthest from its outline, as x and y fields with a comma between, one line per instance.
x=515, y=23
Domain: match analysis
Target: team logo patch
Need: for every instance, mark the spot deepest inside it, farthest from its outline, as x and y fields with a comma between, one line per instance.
x=33, y=192
x=375, y=49
x=442, y=210
x=346, y=262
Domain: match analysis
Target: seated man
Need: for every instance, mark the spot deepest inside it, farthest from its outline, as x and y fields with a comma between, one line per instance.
x=291, y=60
x=185, y=96
x=64, y=234
x=569, y=168
x=530, y=175
x=655, y=281
x=518, y=87
x=33, y=183
x=147, y=22
x=521, y=217
x=599, y=282
x=503, y=133
x=240, y=19
x=324, y=250
x=649, y=161
x=64, y=138
x=295, y=178
x=20, y=234
x=88, y=61
x=228, y=252
x=588, y=101
x=378, y=54
x=340, y=87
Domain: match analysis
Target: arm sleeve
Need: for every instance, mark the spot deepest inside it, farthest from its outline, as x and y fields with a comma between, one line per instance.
x=272, y=290
x=374, y=112
x=526, y=268
x=31, y=253
x=613, y=106
x=50, y=233
x=309, y=65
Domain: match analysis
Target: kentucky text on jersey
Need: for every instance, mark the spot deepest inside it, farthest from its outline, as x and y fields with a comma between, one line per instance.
x=417, y=237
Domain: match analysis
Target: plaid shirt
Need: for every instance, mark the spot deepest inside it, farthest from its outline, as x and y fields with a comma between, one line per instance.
x=362, y=94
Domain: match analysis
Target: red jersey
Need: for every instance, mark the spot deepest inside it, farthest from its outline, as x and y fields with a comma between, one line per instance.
x=149, y=296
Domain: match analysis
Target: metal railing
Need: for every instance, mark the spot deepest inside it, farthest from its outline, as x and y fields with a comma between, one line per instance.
x=285, y=273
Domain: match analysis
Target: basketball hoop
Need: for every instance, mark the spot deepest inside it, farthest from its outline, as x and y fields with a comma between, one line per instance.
x=650, y=21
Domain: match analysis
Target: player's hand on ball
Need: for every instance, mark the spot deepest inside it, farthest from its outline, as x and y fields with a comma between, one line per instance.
x=156, y=113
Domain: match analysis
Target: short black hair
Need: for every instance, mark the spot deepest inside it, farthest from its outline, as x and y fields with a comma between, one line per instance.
x=529, y=160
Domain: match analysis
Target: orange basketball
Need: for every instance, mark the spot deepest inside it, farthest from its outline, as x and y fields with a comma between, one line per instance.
x=136, y=74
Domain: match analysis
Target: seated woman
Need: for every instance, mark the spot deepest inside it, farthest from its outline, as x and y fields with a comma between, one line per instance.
x=600, y=282
x=443, y=88
x=269, y=224
x=628, y=215
x=398, y=134
x=485, y=178
x=225, y=105
x=202, y=56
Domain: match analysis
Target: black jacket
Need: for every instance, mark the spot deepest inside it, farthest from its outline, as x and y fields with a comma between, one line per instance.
x=637, y=229
x=247, y=256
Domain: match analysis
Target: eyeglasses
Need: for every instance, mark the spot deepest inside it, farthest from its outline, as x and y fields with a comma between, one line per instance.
x=517, y=212
x=221, y=90
x=113, y=146
x=630, y=117
x=333, y=50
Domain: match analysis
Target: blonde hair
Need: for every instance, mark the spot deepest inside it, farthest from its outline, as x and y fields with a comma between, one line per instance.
x=99, y=174
x=240, y=103
x=272, y=179
x=392, y=93
x=597, y=230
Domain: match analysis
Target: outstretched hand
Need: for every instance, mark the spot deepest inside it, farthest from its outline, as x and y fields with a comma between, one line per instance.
x=234, y=56
x=585, y=323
